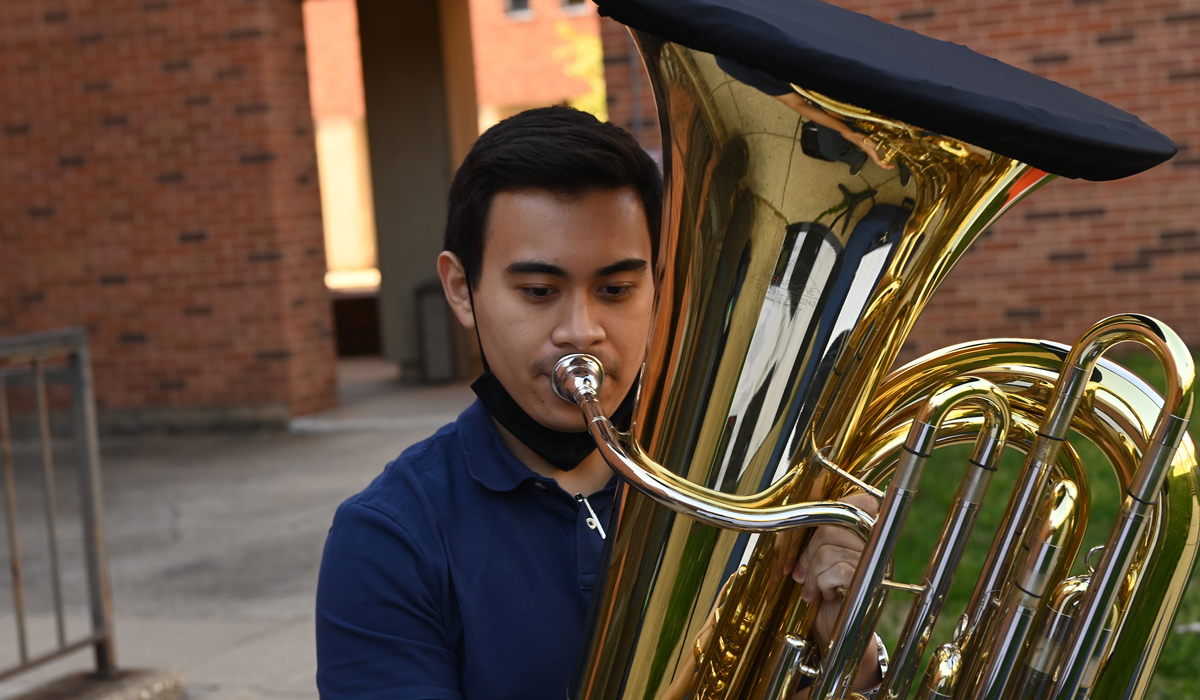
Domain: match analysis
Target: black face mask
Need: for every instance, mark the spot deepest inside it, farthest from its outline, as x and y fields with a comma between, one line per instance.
x=561, y=449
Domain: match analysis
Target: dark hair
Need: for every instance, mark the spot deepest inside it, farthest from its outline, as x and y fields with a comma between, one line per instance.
x=558, y=149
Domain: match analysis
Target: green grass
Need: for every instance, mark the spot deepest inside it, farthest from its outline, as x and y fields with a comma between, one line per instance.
x=1176, y=675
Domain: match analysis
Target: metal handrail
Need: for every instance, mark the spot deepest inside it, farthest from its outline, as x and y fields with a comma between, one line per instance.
x=32, y=351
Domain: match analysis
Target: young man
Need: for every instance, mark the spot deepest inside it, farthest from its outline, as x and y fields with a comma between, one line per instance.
x=465, y=570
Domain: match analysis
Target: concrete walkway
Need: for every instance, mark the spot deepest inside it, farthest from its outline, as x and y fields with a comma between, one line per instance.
x=215, y=540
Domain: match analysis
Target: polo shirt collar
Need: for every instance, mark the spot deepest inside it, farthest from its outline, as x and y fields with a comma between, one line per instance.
x=489, y=461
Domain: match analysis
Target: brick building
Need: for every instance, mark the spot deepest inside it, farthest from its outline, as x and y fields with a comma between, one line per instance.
x=159, y=187
x=160, y=184
x=1073, y=252
x=525, y=52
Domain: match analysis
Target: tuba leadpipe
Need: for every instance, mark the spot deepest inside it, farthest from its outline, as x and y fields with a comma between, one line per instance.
x=578, y=377
x=791, y=269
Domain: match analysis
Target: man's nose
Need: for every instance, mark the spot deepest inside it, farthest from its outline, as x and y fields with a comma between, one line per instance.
x=579, y=325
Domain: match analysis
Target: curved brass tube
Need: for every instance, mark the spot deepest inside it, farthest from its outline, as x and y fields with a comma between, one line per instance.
x=866, y=593
x=942, y=673
x=1117, y=415
x=577, y=378
x=1041, y=661
x=1069, y=390
x=1087, y=629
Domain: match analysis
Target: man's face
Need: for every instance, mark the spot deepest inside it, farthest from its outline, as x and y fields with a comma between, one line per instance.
x=559, y=276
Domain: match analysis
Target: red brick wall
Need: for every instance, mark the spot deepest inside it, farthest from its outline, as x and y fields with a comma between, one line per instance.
x=159, y=187
x=1074, y=251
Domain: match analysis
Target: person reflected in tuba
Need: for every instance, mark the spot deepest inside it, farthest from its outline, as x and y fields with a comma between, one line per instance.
x=836, y=141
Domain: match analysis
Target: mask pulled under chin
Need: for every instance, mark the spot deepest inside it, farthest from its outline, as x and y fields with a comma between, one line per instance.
x=561, y=449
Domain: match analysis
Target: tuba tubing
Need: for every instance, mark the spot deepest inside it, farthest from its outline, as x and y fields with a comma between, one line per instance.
x=1078, y=368
x=578, y=377
x=860, y=611
x=1024, y=597
x=1116, y=415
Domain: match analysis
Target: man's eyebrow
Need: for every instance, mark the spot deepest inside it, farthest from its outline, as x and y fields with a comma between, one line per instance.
x=626, y=265
x=534, y=267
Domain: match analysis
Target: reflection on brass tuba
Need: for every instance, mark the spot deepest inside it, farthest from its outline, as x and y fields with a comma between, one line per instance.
x=791, y=272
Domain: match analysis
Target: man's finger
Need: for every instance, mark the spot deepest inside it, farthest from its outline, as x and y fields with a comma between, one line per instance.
x=841, y=537
x=849, y=544
x=865, y=501
x=806, y=564
x=837, y=576
x=783, y=558
x=825, y=572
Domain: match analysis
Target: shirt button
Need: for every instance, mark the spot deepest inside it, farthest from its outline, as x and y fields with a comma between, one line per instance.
x=540, y=485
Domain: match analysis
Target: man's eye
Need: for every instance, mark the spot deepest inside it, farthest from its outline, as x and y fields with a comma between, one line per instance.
x=537, y=292
x=615, y=290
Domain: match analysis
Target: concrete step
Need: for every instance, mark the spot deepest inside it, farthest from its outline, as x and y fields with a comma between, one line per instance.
x=137, y=684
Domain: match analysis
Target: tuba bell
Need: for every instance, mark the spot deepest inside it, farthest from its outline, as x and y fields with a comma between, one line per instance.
x=792, y=268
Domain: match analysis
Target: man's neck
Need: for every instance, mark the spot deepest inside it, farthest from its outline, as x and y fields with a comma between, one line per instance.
x=592, y=474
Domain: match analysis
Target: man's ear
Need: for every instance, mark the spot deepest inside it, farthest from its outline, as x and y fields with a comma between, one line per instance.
x=456, y=287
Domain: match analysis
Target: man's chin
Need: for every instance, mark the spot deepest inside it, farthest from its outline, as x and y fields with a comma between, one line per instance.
x=553, y=413
x=570, y=421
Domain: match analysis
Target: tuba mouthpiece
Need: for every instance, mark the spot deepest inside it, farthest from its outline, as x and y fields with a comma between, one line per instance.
x=576, y=376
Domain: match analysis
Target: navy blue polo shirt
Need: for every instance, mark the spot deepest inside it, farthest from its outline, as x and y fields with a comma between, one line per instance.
x=458, y=573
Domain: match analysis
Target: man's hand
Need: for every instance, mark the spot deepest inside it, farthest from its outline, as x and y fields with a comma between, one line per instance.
x=827, y=564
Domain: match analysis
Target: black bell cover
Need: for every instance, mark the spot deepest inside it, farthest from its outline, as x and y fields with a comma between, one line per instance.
x=928, y=83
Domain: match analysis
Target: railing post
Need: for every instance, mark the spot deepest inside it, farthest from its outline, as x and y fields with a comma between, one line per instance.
x=83, y=410
x=10, y=511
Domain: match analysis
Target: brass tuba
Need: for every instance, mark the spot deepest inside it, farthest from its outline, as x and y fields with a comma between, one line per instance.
x=790, y=274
